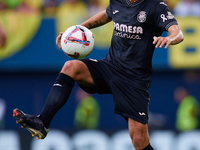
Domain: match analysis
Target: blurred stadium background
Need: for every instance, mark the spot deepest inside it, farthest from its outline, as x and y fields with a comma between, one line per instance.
x=30, y=61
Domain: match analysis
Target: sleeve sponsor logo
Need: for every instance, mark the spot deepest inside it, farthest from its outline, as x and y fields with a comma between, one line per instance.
x=168, y=17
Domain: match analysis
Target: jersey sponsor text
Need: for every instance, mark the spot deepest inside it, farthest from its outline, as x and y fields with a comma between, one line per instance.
x=128, y=28
x=127, y=31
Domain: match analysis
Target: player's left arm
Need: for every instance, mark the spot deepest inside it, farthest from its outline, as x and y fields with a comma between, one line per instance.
x=175, y=37
x=95, y=21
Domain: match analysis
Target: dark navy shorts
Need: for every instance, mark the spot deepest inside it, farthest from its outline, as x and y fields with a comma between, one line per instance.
x=131, y=97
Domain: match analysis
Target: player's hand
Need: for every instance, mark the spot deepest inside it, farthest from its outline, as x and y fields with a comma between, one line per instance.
x=58, y=40
x=161, y=41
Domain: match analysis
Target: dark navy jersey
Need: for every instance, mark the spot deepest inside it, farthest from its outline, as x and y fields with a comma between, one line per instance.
x=135, y=25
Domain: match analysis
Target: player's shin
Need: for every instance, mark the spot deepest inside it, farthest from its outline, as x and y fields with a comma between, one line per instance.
x=57, y=97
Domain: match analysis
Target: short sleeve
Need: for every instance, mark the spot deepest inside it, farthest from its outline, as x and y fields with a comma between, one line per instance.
x=163, y=17
x=108, y=12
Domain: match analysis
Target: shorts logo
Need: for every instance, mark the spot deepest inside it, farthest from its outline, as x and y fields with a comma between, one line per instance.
x=142, y=16
x=93, y=60
x=57, y=85
x=142, y=114
x=116, y=11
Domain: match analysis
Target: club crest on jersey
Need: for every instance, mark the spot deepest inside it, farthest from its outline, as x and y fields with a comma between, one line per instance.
x=142, y=16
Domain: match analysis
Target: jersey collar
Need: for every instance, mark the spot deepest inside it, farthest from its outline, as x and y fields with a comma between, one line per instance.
x=135, y=3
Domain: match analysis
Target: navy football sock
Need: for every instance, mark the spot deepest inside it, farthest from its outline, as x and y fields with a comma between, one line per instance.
x=148, y=148
x=57, y=97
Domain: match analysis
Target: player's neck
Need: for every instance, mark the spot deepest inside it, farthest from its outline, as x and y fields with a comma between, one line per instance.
x=133, y=1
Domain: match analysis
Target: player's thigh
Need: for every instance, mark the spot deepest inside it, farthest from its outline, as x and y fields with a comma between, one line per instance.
x=79, y=72
x=138, y=131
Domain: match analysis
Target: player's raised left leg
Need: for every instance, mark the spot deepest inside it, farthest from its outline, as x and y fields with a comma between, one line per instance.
x=72, y=71
x=139, y=135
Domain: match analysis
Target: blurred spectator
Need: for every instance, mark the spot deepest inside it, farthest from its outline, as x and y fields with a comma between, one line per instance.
x=50, y=6
x=20, y=5
x=192, y=76
x=20, y=19
x=187, y=112
x=104, y=3
x=24, y=7
x=187, y=8
x=87, y=111
x=93, y=8
x=157, y=121
x=192, y=81
x=2, y=37
x=11, y=4
x=70, y=12
x=171, y=4
x=2, y=5
x=30, y=6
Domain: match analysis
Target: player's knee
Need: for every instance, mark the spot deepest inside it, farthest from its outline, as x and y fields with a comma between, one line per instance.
x=138, y=140
x=70, y=68
x=73, y=68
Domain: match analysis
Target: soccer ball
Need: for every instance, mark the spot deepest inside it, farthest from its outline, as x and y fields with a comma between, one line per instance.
x=77, y=42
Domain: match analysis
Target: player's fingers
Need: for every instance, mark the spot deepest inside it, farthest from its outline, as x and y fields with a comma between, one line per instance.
x=58, y=40
x=155, y=39
x=59, y=36
x=163, y=43
x=158, y=42
x=59, y=45
x=167, y=44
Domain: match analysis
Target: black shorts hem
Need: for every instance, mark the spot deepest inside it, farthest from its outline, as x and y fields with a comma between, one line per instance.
x=126, y=116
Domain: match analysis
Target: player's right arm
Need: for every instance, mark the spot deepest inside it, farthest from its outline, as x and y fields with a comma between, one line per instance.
x=165, y=20
x=95, y=21
x=175, y=37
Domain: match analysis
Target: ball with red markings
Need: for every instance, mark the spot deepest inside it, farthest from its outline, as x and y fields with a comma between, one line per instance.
x=77, y=42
